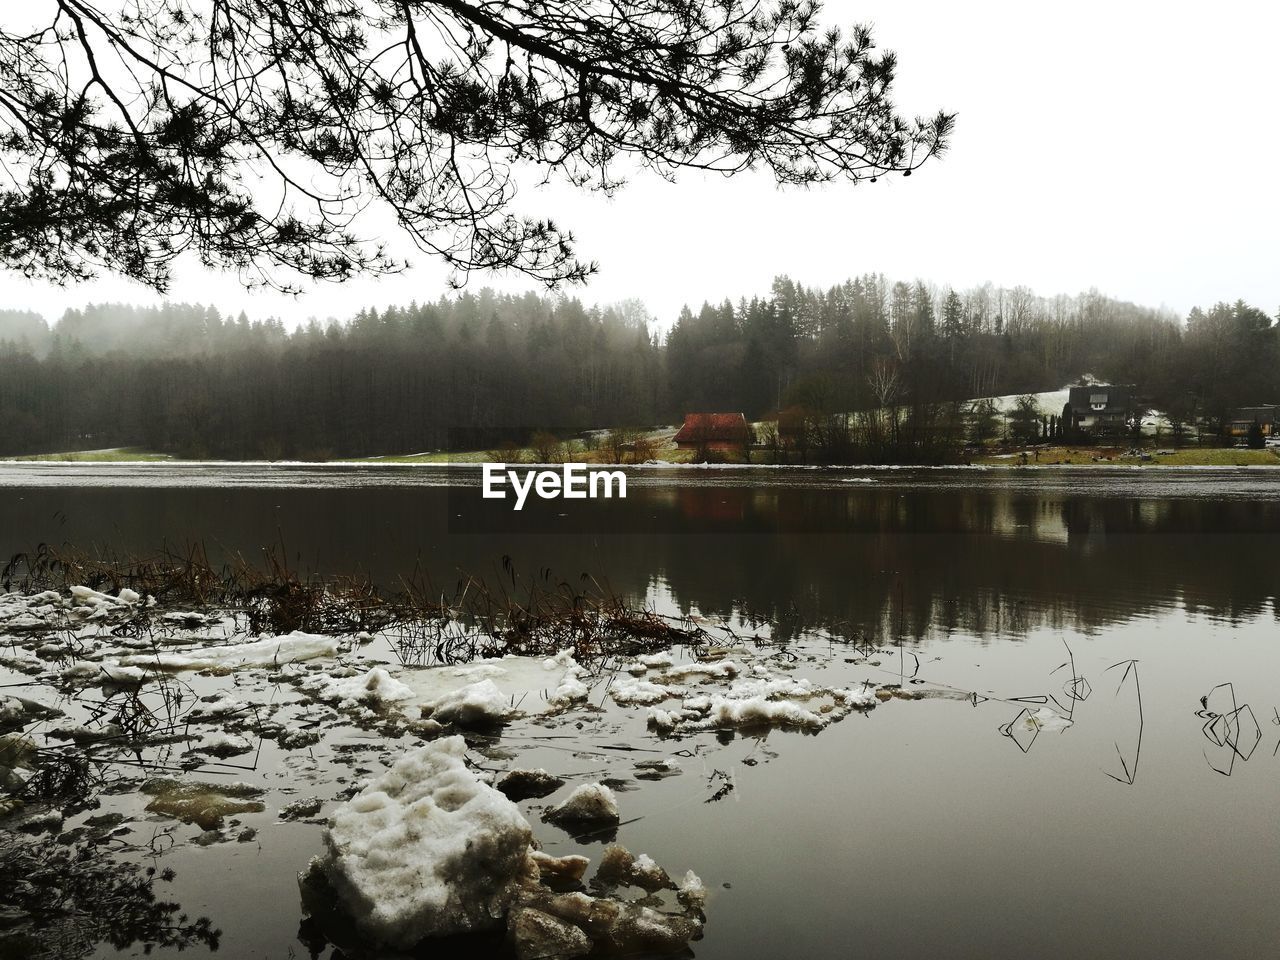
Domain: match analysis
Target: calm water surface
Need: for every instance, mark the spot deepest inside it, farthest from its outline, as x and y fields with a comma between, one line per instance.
x=929, y=828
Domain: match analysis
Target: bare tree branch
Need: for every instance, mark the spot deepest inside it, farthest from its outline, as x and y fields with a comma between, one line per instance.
x=255, y=132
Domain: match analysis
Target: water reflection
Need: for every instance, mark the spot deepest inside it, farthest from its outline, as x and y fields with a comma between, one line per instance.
x=993, y=849
x=1231, y=728
x=63, y=900
x=1035, y=716
x=1128, y=755
x=911, y=556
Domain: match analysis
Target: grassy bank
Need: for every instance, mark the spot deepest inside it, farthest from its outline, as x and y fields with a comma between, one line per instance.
x=107, y=455
x=667, y=453
x=519, y=456
x=1117, y=456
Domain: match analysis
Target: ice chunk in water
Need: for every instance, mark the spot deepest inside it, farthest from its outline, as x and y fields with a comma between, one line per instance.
x=426, y=850
x=589, y=803
x=529, y=784
x=475, y=705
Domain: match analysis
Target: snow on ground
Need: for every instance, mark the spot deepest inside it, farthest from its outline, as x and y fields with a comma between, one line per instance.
x=19, y=612
x=217, y=708
x=714, y=691
x=663, y=659
x=756, y=711
x=95, y=598
x=702, y=670
x=1051, y=402
x=11, y=709
x=82, y=626
x=102, y=671
x=1048, y=402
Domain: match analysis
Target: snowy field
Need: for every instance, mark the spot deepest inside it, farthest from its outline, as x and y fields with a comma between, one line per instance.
x=1050, y=403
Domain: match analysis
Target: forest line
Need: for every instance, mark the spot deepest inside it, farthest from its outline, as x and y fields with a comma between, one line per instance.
x=479, y=368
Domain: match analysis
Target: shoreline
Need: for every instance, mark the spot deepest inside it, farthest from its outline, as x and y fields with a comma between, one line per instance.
x=656, y=466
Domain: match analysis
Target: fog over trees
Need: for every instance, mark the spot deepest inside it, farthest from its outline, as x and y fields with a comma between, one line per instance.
x=474, y=369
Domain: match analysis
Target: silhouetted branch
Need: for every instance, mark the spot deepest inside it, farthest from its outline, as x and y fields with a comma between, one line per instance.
x=254, y=133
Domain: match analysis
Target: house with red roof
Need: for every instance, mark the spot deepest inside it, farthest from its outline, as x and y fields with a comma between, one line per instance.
x=704, y=432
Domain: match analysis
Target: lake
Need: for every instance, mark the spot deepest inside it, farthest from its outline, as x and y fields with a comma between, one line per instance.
x=1130, y=820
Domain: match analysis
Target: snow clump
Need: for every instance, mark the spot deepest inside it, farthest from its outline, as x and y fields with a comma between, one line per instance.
x=429, y=849
x=589, y=803
x=266, y=651
x=376, y=688
x=571, y=688
x=757, y=701
x=630, y=691
x=426, y=850
x=475, y=705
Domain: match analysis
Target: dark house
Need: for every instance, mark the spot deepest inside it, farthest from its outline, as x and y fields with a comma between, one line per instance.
x=714, y=431
x=791, y=427
x=1246, y=417
x=1101, y=408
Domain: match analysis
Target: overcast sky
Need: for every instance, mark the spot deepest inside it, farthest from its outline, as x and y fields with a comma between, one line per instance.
x=1126, y=146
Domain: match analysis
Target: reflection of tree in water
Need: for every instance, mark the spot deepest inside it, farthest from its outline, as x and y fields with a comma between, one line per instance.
x=854, y=558
x=64, y=896
x=988, y=564
x=62, y=901
x=1231, y=727
x=936, y=584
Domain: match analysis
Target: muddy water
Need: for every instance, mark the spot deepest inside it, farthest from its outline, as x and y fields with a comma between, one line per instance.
x=941, y=826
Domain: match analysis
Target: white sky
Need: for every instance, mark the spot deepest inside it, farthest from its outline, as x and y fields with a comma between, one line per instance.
x=1128, y=146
